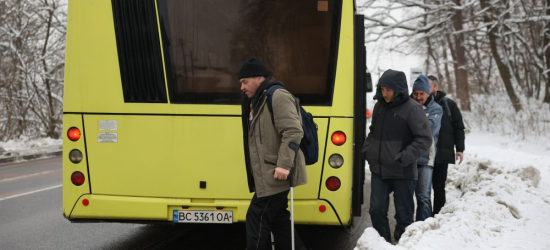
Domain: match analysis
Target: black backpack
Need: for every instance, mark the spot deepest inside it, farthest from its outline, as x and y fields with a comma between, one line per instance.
x=309, y=144
x=446, y=108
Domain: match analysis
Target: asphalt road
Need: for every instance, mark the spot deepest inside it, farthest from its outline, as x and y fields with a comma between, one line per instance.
x=31, y=218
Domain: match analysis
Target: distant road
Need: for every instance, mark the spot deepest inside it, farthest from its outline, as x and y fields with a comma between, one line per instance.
x=31, y=218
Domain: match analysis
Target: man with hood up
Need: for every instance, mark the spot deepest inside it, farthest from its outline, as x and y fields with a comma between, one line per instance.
x=434, y=112
x=399, y=135
x=271, y=145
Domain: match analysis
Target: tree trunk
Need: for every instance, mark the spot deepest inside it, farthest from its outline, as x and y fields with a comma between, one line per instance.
x=547, y=55
x=448, y=84
x=427, y=61
x=461, y=73
x=51, y=121
x=501, y=65
x=435, y=59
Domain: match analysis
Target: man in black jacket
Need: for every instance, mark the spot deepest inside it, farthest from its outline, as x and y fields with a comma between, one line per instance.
x=399, y=135
x=451, y=135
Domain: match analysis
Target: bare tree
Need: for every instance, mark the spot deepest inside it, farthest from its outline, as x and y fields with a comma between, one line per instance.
x=32, y=44
x=427, y=20
x=500, y=61
x=479, y=38
x=460, y=65
x=547, y=53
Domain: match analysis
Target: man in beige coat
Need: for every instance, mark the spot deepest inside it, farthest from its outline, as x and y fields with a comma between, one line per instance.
x=270, y=143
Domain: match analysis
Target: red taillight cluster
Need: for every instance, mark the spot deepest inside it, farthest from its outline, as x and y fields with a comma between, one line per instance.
x=338, y=138
x=73, y=134
x=77, y=178
x=75, y=156
x=333, y=183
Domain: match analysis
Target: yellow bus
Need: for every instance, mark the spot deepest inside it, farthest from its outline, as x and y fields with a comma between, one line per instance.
x=152, y=114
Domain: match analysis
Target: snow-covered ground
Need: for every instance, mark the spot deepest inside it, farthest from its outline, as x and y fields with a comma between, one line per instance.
x=25, y=148
x=498, y=198
x=25, y=143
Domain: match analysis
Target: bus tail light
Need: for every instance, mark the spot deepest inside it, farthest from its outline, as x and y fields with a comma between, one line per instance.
x=333, y=183
x=368, y=113
x=75, y=156
x=338, y=138
x=77, y=178
x=336, y=161
x=73, y=134
x=322, y=208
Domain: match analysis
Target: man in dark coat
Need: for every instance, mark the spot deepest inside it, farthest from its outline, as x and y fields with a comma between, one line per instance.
x=399, y=135
x=451, y=136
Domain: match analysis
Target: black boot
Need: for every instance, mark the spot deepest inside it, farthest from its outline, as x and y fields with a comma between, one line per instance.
x=397, y=233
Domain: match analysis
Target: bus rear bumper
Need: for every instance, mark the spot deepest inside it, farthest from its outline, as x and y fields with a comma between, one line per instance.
x=153, y=210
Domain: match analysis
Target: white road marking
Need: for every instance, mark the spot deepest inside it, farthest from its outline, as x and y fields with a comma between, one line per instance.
x=31, y=192
x=28, y=176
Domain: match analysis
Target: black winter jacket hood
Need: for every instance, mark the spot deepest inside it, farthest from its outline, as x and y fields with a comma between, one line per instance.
x=399, y=132
x=396, y=81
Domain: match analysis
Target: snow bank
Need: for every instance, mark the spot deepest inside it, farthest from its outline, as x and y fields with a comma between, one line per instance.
x=371, y=240
x=25, y=143
x=498, y=198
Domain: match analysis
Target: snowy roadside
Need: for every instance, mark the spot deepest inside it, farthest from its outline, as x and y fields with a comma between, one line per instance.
x=499, y=198
x=25, y=149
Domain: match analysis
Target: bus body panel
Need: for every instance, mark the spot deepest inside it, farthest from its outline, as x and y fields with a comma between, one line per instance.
x=342, y=101
x=91, y=57
x=72, y=193
x=116, y=208
x=341, y=198
x=168, y=156
x=164, y=150
x=94, y=74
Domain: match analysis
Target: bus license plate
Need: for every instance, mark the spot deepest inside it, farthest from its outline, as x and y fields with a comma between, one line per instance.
x=203, y=216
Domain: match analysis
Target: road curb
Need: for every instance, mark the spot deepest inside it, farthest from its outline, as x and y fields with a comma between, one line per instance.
x=27, y=157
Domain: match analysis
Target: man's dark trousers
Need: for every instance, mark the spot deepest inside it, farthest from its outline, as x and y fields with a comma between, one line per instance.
x=268, y=214
x=438, y=183
x=380, y=201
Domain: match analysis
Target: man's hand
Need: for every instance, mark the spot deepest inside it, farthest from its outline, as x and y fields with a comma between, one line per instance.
x=281, y=173
x=459, y=155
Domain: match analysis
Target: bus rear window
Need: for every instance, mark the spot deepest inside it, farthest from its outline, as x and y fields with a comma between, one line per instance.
x=205, y=43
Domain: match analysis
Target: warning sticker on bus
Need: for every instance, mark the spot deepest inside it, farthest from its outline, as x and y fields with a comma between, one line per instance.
x=202, y=216
x=107, y=137
x=108, y=125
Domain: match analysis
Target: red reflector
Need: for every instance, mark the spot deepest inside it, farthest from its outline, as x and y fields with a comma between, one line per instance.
x=333, y=183
x=77, y=178
x=338, y=138
x=73, y=134
x=85, y=202
x=369, y=113
x=322, y=208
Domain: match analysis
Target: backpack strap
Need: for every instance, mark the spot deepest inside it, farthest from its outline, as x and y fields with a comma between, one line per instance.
x=269, y=95
x=446, y=107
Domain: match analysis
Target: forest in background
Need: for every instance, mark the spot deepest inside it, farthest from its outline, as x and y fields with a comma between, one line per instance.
x=32, y=52
x=476, y=48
